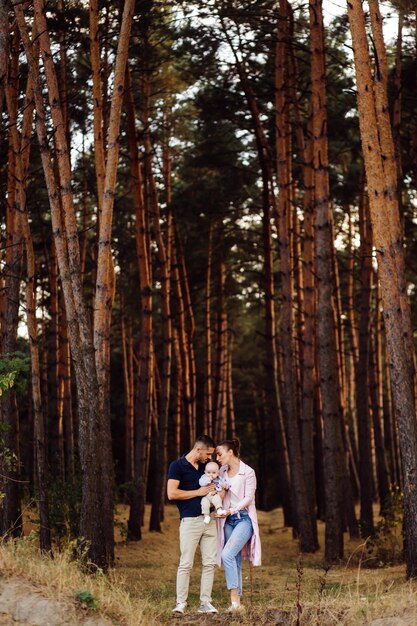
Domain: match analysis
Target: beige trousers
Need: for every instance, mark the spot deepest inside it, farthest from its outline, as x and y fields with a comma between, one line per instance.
x=193, y=533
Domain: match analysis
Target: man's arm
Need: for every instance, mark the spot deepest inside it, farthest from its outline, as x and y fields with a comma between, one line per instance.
x=174, y=493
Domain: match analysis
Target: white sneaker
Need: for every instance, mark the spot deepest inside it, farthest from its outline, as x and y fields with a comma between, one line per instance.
x=207, y=519
x=235, y=608
x=180, y=608
x=207, y=607
x=221, y=511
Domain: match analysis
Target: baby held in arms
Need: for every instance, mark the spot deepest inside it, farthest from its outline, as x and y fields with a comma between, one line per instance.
x=211, y=476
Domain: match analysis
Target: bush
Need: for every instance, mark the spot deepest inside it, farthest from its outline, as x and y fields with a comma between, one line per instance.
x=386, y=544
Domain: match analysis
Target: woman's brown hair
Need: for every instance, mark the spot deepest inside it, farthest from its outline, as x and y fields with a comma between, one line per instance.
x=231, y=444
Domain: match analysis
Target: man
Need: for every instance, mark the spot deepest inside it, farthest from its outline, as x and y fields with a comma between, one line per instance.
x=183, y=488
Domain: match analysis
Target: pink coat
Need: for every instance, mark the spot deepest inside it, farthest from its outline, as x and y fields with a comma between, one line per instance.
x=244, y=489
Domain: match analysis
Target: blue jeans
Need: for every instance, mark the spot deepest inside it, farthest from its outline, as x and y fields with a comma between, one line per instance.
x=237, y=532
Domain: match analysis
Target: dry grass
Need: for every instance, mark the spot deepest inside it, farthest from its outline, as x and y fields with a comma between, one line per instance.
x=61, y=579
x=347, y=595
x=141, y=589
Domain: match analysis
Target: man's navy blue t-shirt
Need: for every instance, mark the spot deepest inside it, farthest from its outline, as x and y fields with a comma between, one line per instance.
x=188, y=475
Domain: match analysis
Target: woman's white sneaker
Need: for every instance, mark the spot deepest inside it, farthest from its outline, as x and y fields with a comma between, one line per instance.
x=235, y=608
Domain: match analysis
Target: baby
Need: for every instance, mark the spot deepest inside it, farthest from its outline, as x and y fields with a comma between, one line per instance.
x=211, y=475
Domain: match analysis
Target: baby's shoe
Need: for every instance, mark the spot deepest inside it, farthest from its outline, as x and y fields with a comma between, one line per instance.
x=221, y=511
x=207, y=519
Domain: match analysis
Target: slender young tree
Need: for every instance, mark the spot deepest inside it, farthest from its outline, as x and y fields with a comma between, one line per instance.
x=327, y=351
x=142, y=416
x=208, y=386
x=362, y=378
x=304, y=519
x=4, y=47
x=220, y=422
x=164, y=255
x=11, y=509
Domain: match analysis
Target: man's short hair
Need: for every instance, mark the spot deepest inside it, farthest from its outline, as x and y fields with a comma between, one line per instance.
x=205, y=440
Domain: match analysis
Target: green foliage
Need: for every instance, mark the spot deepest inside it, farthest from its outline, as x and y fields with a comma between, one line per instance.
x=64, y=510
x=8, y=459
x=14, y=372
x=385, y=546
x=87, y=599
x=7, y=381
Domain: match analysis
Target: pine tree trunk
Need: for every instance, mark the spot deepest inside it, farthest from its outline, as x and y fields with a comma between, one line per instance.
x=377, y=146
x=208, y=382
x=55, y=417
x=231, y=418
x=362, y=380
x=188, y=431
x=328, y=363
x=376, y=392
x=305, y=523
x=128, y=426
x=11, y=512
x=142, y=415
x=190, y=326
x=220, y=429
x=21, y=148
x=4, y=47
x=390, y=424
x=105, y=281
x=350, y=325
x=97, y=529
x=396, y=117
x=164, y=255
x=99, y=139
x=65, y=408
x=178, y=399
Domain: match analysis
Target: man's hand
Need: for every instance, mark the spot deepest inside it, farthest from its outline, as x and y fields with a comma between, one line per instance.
x=203, y=491
x=174, y=493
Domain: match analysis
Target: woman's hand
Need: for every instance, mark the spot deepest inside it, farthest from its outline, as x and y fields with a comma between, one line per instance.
x=225, y=514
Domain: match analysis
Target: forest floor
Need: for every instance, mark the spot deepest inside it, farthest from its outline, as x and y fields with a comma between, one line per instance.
x=289, y=589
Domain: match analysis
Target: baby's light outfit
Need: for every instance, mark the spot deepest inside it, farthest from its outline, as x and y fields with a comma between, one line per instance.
x=212, y=498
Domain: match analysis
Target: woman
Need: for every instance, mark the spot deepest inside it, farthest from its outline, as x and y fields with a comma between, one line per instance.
x=238, y=531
